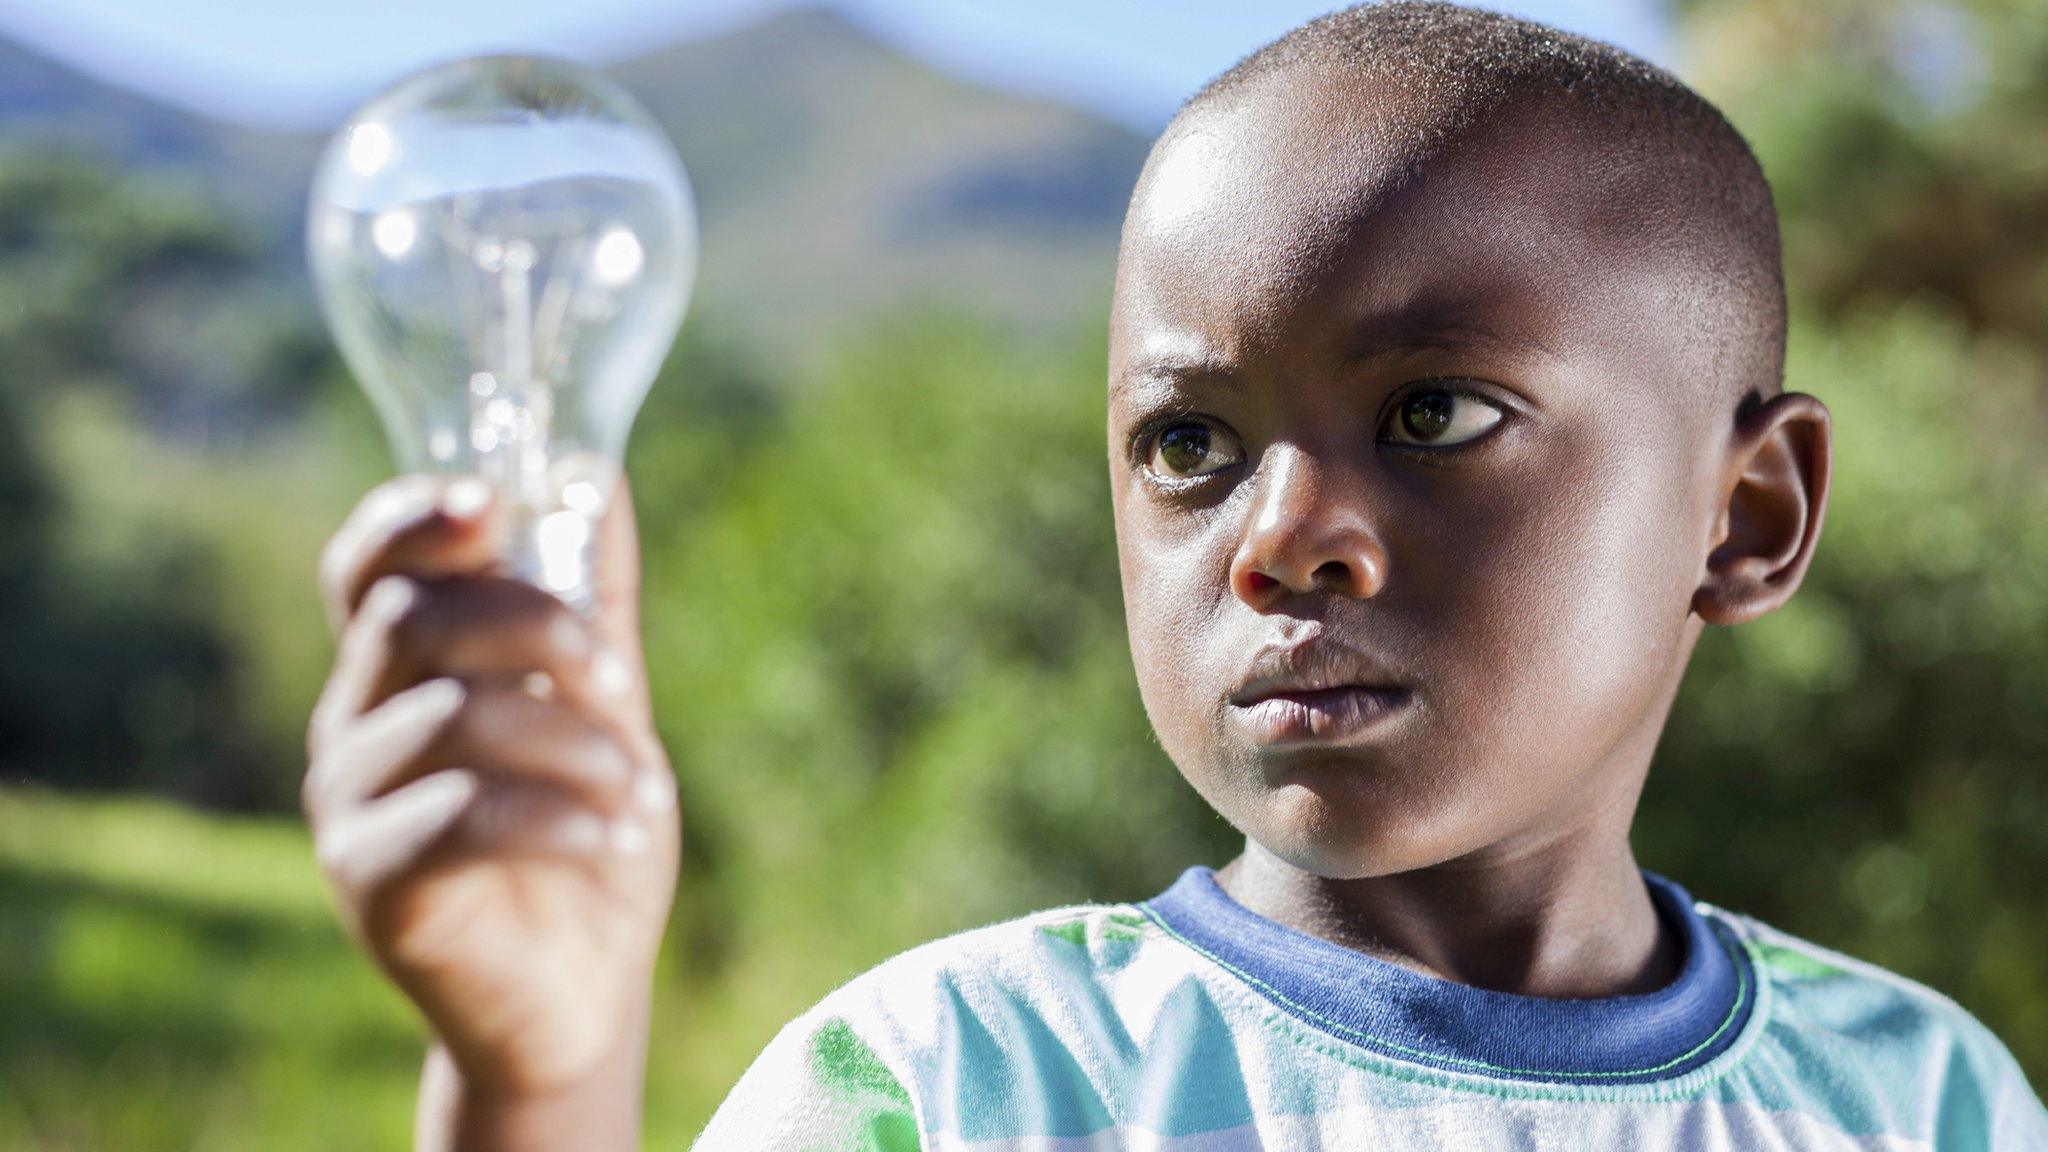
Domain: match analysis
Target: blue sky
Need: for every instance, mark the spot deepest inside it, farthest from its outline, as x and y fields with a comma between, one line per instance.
x=302, y=64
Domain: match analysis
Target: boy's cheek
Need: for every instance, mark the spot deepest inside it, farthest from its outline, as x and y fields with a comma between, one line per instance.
x=1173, y=621
x=1563, y=654
x=1177, y=615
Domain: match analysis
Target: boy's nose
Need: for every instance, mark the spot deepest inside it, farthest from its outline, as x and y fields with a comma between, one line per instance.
x=1307, y=532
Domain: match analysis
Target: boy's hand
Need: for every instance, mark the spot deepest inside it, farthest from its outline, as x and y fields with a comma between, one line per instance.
x=489, y=802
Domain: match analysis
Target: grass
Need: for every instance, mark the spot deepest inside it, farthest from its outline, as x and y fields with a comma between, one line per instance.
x=171, y=980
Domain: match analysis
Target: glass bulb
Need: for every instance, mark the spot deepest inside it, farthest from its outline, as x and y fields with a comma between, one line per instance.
x=503, y=247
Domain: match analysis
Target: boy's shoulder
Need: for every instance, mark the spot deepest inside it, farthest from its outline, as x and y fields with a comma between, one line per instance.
x=1064, y=957
x=964, y=1016
x=1846, y=1020
x=1823, y=989
x=1815, y=987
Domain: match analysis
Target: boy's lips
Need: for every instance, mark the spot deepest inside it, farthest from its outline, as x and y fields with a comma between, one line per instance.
x=1329, y=715
x=1314, y=691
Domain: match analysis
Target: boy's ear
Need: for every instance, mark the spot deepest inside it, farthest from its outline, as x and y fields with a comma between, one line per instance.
x=1773, y=495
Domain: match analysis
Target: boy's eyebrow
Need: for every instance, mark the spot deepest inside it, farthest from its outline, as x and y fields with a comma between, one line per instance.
x=1407, y=334
x=1378, y=339
x=1176, y=370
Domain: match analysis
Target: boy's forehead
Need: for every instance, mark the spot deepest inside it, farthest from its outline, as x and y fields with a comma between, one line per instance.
x=1317, y=197
x=1268, y=174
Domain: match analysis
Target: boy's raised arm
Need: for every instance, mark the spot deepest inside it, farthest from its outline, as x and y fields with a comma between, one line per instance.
x=494, y=815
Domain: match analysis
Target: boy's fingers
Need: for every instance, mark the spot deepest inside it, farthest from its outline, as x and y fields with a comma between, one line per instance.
x=359, y=660
x=515, y=817
x=366, y=848
x=454, y=817
x=422, y=525
x=493, y=732
x=488, y=629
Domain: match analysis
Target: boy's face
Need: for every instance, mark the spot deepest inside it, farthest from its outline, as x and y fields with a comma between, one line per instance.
x=1445, y=432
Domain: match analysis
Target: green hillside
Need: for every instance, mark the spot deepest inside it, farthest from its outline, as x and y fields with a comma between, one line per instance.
x=170, y=980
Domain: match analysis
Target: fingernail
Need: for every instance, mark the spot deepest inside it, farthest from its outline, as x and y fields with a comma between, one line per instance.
x=609, y=674
x=539, y=685
x=389, y=597
x=446, y=790
x=440, y=695
x=655, y=790
x=465, y=499
x=628, y=838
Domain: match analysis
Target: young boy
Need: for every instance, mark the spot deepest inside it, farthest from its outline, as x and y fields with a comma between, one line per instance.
x=1444, y=415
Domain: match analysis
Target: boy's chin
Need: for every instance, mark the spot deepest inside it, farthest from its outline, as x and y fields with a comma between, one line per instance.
x=1346, y=861
x=1353, y=833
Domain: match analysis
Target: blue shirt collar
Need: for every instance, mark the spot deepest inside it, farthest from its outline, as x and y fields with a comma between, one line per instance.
x=1455, y=1027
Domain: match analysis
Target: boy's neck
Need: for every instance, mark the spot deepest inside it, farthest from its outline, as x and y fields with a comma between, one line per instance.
x=1573, y=919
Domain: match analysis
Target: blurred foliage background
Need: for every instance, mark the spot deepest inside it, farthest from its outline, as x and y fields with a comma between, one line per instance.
x=882, y=606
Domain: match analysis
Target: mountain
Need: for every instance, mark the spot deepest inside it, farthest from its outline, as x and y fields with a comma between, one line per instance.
x=836, y=178
x=42, y=98
x=47, y=102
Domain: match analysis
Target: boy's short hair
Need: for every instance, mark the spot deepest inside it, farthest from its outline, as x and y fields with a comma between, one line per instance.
x=1456, y=68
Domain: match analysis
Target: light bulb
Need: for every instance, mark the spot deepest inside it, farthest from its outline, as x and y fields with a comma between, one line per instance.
x=503, y=247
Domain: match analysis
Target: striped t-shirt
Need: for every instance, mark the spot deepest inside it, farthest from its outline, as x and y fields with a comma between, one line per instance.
x=1188, y=1023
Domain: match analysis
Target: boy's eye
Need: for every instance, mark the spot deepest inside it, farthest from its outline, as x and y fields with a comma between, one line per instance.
x=1188, y=448
x=1439, y=417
